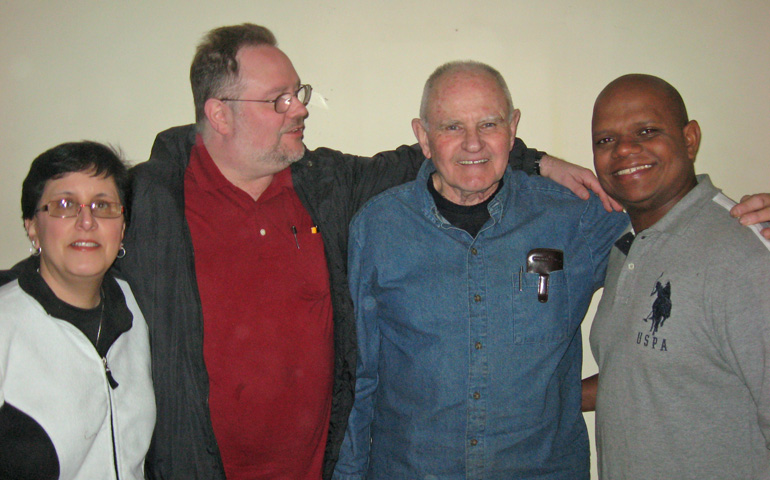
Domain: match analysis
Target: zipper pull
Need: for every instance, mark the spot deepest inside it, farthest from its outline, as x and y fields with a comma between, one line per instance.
x=110, y=378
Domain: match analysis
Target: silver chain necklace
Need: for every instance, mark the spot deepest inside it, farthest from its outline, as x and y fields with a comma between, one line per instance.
x=101, y=319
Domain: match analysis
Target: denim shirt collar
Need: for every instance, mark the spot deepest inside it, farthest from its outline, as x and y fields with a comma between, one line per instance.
x=498, y=205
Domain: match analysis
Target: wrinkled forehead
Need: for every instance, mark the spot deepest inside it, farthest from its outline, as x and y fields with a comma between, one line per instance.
x=465, y=92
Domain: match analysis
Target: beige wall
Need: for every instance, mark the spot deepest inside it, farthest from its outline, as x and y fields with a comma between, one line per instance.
x=117, y=72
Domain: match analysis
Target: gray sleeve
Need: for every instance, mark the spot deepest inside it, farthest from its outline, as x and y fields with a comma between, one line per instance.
x=740, y=302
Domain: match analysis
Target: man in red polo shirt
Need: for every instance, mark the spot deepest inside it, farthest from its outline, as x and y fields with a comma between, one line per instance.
x=261, y=273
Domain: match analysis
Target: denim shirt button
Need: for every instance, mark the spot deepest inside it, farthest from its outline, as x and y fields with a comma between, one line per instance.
x=474, y=251
x=477, y=298
x=476, y=395
x=474, y=442
x=477, y=345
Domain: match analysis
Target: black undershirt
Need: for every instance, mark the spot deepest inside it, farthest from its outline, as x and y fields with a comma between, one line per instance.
x=470, y=218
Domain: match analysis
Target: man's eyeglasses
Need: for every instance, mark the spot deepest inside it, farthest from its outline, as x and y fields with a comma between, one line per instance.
x=283, y=102
x=67, y=209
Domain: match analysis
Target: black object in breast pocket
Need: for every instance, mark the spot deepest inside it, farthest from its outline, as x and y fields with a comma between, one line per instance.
x=543, y=261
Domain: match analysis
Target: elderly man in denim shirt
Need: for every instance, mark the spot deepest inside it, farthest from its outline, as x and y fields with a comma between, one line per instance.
x=469, y=286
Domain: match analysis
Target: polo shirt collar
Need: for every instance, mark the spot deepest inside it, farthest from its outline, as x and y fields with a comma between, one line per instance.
x=680, y=216
x=202, y=166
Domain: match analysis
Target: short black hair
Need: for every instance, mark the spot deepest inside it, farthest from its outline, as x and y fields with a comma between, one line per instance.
x=85, y=156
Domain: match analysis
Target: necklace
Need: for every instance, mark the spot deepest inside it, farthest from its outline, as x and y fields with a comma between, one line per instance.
x=101, y=319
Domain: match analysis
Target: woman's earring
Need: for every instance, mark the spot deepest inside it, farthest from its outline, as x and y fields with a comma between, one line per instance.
x=33, y=250
x=121, y=251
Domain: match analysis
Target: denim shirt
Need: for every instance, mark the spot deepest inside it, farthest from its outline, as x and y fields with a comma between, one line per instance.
x=462, y=372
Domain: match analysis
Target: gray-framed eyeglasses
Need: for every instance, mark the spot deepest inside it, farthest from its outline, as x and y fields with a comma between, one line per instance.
x=283, y=102
x=68, y=209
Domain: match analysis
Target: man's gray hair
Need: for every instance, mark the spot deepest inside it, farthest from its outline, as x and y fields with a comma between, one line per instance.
x=461, y=66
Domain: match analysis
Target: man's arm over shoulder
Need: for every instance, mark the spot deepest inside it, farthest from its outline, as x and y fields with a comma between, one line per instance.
x=580, y=180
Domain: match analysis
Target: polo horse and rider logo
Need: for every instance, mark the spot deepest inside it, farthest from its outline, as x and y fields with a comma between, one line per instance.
x=661, y=307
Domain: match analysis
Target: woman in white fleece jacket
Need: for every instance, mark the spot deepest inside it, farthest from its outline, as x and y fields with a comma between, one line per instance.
x=76, y=397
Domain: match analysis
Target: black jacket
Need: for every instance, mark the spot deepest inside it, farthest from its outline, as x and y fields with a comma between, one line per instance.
x=160, y=268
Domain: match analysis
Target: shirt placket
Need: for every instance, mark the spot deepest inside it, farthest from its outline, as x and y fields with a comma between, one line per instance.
x=629, y=272
x=478, y=366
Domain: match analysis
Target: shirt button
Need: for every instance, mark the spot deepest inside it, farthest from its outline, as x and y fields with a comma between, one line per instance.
x=477, y=298
x=262, y=231
x=474, y=251
x=476, y=395
x=630, y=266
x=474, y=442
x=478, y=345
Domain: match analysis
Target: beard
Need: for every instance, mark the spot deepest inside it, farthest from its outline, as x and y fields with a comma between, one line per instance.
x=286, y=154
x=282, y=156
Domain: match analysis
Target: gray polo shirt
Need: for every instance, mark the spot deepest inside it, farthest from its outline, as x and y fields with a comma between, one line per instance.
x=682, y=340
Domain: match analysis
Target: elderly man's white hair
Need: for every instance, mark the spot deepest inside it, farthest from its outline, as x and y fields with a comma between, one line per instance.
x=460, y=66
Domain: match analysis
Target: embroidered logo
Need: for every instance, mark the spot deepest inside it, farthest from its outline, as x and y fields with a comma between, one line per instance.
x=661, y=307
x=661, y=310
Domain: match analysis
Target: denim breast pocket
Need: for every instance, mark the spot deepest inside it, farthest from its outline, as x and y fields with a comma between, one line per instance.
x=536, y=322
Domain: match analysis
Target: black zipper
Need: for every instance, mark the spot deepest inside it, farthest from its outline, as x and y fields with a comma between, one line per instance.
x=113, y=386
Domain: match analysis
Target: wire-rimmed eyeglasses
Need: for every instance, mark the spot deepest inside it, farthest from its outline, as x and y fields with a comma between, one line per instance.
x=68, y=209
x=283, y=101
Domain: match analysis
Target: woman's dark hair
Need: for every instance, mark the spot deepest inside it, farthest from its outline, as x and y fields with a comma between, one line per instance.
x=85, y=156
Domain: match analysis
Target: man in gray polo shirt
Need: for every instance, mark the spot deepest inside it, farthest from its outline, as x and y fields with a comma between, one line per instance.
x=682, y=334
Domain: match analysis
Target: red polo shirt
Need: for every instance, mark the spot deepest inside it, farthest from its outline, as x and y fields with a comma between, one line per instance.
x=267, y=319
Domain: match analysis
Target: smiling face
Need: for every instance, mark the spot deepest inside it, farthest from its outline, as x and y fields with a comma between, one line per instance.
x=265, y=139
x=644, y=147
x=468, y=135
x=80, y=249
